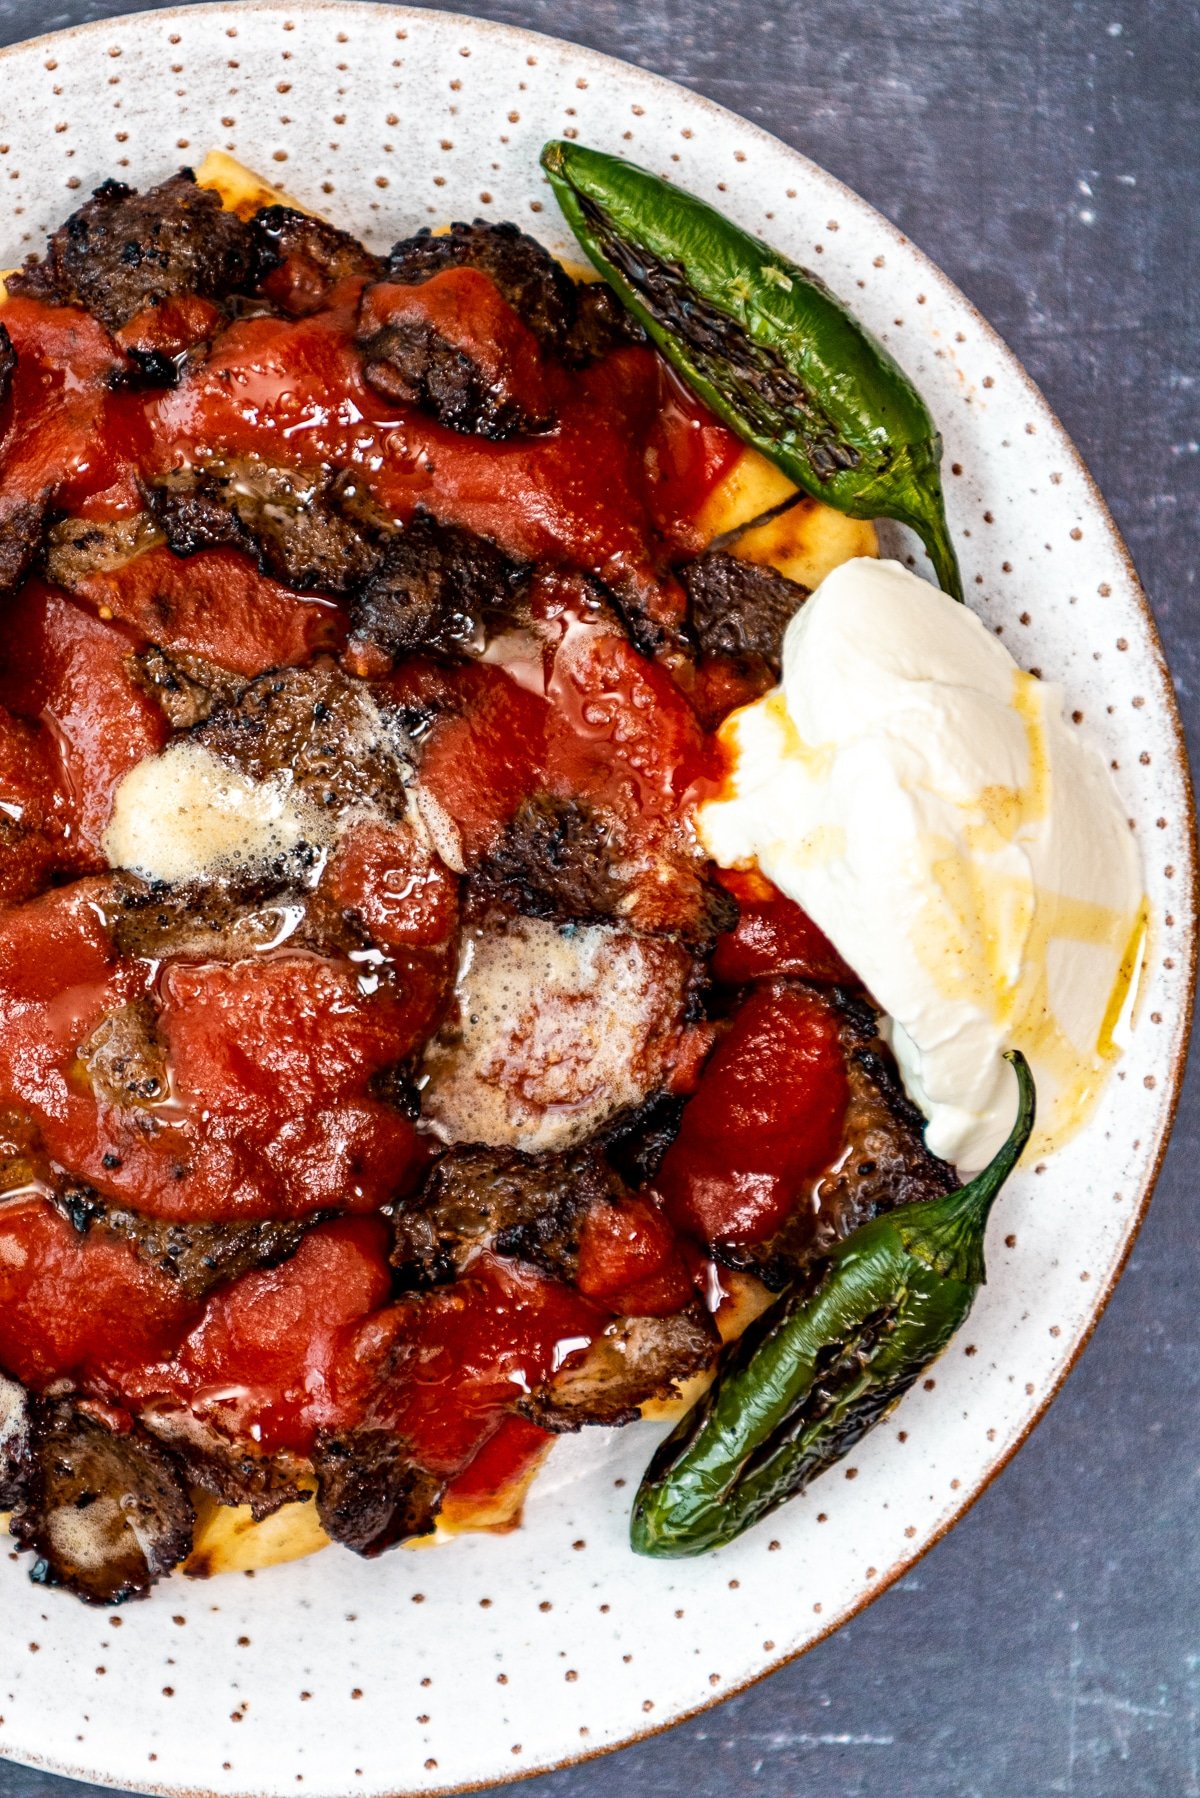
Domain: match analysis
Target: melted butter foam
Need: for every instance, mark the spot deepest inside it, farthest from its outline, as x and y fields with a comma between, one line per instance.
x=557, y=1030
x=186, y=815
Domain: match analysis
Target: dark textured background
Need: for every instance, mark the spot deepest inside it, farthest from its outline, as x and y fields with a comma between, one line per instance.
x=1047, y=154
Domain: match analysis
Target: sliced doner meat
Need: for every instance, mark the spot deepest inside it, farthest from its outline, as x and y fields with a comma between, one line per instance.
x=104, y=1508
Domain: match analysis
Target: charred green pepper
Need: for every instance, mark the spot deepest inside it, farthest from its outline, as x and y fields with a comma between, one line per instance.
x=825, y=1364
x=764, y=343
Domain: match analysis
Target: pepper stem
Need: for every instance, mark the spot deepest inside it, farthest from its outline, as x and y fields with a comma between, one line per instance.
x=947, y=1233
x=925, y=513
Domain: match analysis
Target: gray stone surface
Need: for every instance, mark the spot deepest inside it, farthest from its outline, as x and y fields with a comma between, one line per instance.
x=1046, y=156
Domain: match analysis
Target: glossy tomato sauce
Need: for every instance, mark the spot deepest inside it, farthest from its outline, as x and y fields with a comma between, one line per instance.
x=271, y=1099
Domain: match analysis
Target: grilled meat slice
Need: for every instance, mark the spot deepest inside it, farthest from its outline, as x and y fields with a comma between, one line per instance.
x=465, y=358
x=104, y=1509
x=186, y=687
x=238, y=916
x=636, y=1141
x=22, y=532
x=232, y=1472
x=637, y=1359
x=123, y=251
x=573, y=862
x=436, y=587
x=307, y=258
x=740, y=609
x=78, y=548
x=371, y=1494
x=529, y=1207
x=227, y=920
x=885, y=1163
x=14, y=1442
x=196, y=1254
x=553, y=861
x=322, y=730
x=287, y=518
x=539, y=291
x=601, y=325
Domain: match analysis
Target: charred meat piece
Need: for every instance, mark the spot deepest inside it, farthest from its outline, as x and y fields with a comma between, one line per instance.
x=105, y=1510
x=123, y=251
x=436, y=587
x=14, y=1441
x=553, y=861
x=125, y=1062
x=601, y=325
x=224, y=921
x=232, y=1472
x=78, y=548
x=637, y=1359
x=307, y=258
x=186, y=687
x=539, y=291
x=22, y=530
x=320, y=728
x=572, y=862
x=738, y=608
x=198, y=1255
x=455, y=348
x=528, y=1207
x=885, y=1163
x=287, y=518
x=8, y=364
x=371, y=1494
x=636, y=1142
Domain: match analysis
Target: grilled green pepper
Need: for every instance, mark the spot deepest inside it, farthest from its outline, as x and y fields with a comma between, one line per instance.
x=764, y=343
x=825, y=1364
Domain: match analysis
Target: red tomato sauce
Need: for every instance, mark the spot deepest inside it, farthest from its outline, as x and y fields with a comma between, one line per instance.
x=273, y=1101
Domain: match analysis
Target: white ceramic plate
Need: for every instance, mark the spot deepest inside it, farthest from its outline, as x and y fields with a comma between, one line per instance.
x=496, y=1657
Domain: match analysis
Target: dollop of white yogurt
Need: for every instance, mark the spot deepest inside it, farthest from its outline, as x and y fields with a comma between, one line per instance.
x=962, y=845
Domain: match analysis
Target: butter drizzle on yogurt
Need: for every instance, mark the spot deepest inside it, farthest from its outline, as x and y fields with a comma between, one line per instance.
x=961, y=844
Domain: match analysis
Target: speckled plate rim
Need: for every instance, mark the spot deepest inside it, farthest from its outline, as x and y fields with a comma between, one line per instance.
x=1168, y=1102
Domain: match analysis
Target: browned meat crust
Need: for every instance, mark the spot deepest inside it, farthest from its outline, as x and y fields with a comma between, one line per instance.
x=636, y=1360
x=319, y=727
x=22, y=530
x=436, y=587
x=886, y=1163
x=528, y=1207
x=553, y=861
x=123, y=251
x=739, y=608
x=535, y=286
x=410, y=362
x=77, y=548
x=637, y=1141
x=286, y=518
x=568, y=861
x=227, y=920
x=601, y=325
x=317, y=256
x=197, y=1255
x=185, y=687
x=234, y=1473
x=14, y=1441
x=371, y=1494
x=105, y=1511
